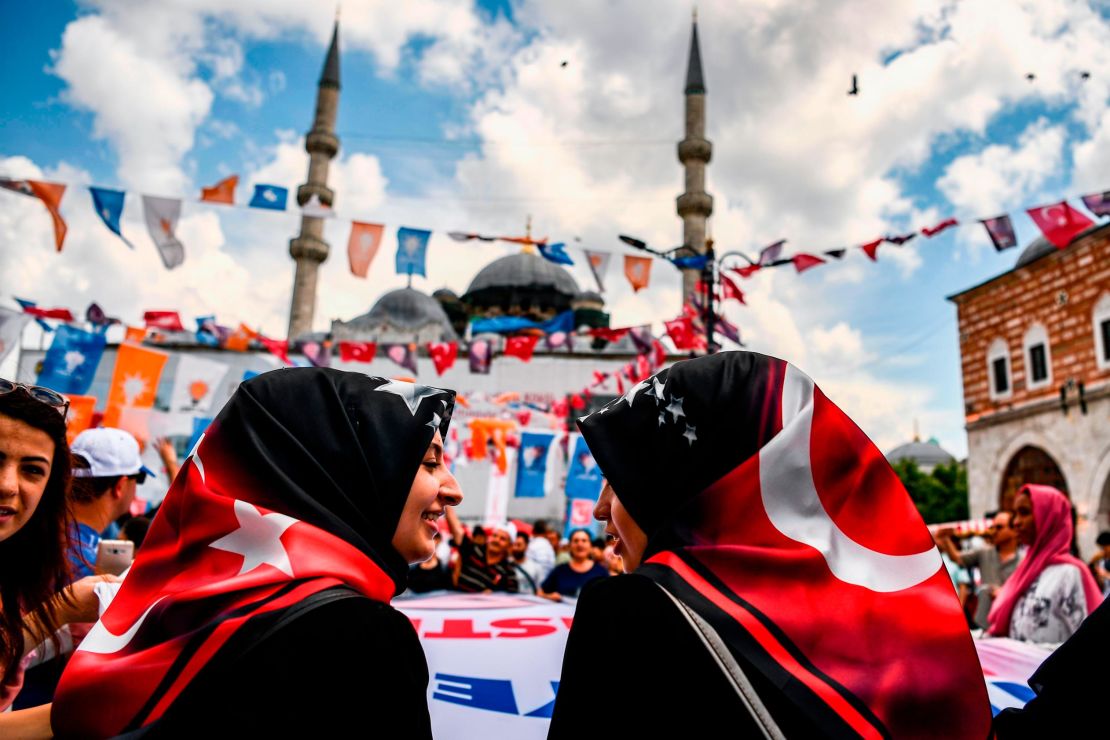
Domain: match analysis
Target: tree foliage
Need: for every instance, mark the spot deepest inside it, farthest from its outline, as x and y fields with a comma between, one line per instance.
x=940, y=496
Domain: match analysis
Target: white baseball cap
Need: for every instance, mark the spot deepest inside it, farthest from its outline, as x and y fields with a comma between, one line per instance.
x=507, y=527
x=109, y=452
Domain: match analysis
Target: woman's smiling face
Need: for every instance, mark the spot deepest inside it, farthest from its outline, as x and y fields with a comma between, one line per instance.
x=629, y=540
x=433, y=489
x=26, y=456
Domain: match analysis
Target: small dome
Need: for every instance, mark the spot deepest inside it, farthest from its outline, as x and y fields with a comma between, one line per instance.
x=927, y=455
x=1040, y=246
x=400, y=315
x=445, y=295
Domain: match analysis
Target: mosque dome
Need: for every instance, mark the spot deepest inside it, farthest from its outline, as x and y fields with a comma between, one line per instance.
x=927, y=455
x=1040, y=246
x=402, y=315
x=521, y=284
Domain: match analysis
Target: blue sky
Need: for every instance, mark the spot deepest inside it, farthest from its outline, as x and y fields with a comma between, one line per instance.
x=460, y=116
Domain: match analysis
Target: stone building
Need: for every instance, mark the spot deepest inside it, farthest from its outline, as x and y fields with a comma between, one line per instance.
x=1035, y=359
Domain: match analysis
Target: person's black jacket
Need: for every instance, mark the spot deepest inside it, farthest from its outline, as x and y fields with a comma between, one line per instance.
x=635, y=666
x=338, y=665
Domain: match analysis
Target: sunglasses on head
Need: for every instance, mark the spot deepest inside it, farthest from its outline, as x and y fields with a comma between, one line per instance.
x=51, y=398
x=139, y=478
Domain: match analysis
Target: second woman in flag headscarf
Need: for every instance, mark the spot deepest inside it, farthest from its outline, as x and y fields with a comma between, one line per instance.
x=782, y=582
x=259, y=603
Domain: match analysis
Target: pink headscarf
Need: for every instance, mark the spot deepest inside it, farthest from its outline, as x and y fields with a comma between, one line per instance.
x=1051, y=546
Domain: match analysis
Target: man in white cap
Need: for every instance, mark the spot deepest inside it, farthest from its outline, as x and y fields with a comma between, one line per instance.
x=107, y=469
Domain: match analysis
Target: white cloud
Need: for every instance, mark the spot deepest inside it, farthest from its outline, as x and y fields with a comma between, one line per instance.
x=999, y=177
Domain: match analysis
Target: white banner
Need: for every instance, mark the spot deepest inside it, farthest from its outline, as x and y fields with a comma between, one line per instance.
x=195, y=383
x=497, y=495
x=494, y=662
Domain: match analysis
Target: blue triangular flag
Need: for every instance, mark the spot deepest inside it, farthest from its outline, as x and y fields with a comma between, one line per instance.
x=70, y=363
x=269, y=196
x=555, y=253
x=108, y=204
x=412, y=246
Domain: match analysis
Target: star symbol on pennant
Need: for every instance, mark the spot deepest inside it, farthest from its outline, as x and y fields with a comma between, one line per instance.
x=675, y=407
x=258, y=539
x=690, y=434
x=410, y=393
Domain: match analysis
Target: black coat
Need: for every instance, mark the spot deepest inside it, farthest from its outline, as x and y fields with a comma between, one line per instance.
x=635, y=666
x=337, y=665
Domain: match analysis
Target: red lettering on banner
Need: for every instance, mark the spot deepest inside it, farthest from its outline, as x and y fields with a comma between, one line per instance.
x=458, y=629
x=523, y=627
x=415, y=624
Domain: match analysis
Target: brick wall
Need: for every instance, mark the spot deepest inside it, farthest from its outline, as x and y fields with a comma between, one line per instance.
x=1058, y=291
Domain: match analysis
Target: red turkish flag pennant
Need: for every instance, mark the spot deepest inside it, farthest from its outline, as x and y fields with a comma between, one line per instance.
x=1060, y=223
x=521, y=347
x=748, y=270
x=803, y=262
x=577, y=402
x=560, y=409
x=729, y=290
x=599, y=377
x=947, y=223
x=166, y=320
x=658, y=354
x=58, y=314
x=681, y=332
x=620, y=383
x=643, y=367
x=357, y=351
x=871, y=249
x=609, y=335
x=279, y=348
x=443, y=355
x=523, y=417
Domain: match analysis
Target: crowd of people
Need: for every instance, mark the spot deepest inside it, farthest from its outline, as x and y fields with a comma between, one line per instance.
x=368, y=531
x=513, y=557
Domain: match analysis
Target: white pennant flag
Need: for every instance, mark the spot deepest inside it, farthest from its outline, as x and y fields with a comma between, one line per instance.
x=195, y=383
x=161, y=215
x=11, y=328
x=599, y=265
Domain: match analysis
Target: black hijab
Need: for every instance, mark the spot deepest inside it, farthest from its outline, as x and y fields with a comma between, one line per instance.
x=336, y=449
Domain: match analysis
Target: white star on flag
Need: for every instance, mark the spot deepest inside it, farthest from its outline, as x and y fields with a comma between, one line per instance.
x=435, y=422
x=258, y=539
x=657, y=387
x=631, y=395
x=690, y=434
x=675, y=407
x=410, y=393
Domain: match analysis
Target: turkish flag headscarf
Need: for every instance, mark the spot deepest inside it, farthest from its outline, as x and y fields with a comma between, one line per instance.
x=296, y=487
x=775, y=519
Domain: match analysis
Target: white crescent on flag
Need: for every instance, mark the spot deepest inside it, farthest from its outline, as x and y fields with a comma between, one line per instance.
x=794, y=508
x=102, y=642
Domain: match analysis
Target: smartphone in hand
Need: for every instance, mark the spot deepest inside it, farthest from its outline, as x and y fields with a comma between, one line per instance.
x=114, y=556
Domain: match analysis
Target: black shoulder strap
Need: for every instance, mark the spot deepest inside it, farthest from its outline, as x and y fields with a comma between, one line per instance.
x=316, y=600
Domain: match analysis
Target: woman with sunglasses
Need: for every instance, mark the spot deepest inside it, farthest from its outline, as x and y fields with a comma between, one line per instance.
x=34, y=479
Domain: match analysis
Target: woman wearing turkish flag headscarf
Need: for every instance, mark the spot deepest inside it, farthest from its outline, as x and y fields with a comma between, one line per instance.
x=259, y=602
x=780, y=581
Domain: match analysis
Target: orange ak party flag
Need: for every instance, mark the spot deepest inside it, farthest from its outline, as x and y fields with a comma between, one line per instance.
x=221, y=192
x=362, y=246
x=134, y=381
x=50, y=193
x=135, y=334
x=80, y=415
x=638, y=271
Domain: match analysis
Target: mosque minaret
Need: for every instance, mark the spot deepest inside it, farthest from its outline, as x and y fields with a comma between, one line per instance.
x=694, y=151
x=309, y=248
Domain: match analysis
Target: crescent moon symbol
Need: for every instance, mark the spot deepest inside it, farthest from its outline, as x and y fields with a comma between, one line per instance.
x=794, y=508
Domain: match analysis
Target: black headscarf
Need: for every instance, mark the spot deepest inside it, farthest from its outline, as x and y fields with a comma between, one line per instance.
x=336, y=449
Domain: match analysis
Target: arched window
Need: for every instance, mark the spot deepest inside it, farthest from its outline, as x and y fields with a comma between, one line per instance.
x=1038, y=358
x=1102, y=331
x=998, y=370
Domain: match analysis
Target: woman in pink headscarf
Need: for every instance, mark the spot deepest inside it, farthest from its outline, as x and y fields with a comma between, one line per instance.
x=1051, y=592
